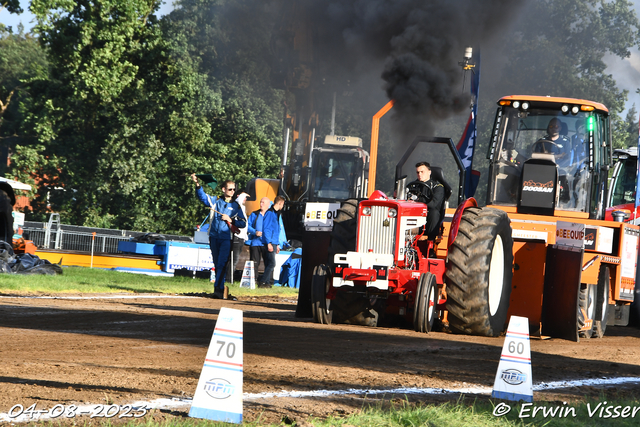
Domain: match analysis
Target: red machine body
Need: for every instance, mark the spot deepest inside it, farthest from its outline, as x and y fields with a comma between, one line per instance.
x=391, y=255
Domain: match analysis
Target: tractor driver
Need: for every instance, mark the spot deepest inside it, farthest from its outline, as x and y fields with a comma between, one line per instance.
x=432, y=193
x=555, y=143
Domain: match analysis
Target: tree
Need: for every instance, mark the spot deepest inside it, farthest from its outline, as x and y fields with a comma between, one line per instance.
x=21, y=60
x=625, y=133
x=120, y=123
x=228, y=40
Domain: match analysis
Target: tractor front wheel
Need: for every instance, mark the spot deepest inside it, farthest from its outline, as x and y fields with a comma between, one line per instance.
x=424, y=311
x=602, y=301
x=586, y=309
x=479, y=273
x=319, y=303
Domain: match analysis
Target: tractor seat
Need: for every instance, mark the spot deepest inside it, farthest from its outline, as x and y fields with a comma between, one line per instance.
x=438, y=175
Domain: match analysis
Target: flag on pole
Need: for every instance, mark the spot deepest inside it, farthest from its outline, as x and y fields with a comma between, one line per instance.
x=467, y=144
x=635, y=207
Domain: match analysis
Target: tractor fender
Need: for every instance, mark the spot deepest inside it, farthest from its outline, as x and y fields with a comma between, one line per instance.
x=457, y=216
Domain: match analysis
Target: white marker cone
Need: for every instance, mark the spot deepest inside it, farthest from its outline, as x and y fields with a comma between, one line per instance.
x=248, y=276
x=513, y=379
x=218, y=395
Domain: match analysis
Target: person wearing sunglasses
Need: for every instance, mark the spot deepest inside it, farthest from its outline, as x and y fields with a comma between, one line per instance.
x=226, y=217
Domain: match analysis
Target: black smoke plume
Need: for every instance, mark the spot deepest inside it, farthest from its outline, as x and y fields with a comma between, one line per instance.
x=415, y=45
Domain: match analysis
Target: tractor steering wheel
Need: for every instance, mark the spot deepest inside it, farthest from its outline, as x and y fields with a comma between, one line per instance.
x=417, y=190
x=541, y=144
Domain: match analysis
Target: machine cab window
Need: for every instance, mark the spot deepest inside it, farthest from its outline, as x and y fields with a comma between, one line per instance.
x=546, y=133
x=335, y=176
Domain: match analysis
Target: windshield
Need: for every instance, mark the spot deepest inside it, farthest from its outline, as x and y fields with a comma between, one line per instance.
x=548, y=134
x=624, y=190
x=335, y=175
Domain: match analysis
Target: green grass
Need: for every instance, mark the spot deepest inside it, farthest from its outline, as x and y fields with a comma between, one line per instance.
x=95, y=280
x=462, y=413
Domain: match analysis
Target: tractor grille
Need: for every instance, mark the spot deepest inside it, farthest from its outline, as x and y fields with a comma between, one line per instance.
x=374, y=235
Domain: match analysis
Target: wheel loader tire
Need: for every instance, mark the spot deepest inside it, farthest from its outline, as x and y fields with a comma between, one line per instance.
x=319, y=288
x=343, y=235
x=586, y=309
x=424, y=312
x=602, y=302
x=6, y=217
x=479, y=273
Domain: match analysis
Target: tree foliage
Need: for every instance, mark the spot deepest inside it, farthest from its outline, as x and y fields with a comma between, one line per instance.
x=625, y=132
x=229, y=42
x=120, y=123
x=117, y=107
x=21, y=60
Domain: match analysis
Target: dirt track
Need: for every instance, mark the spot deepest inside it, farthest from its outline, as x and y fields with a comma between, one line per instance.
x=115, y=350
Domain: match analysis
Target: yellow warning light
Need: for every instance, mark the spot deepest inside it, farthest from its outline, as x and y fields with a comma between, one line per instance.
x=504, y=102
x=587, y=108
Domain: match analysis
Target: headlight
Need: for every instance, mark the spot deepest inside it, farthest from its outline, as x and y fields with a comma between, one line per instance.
x=516, y=104
x=392, y=213
x=565, y=109
x=525, y=105
x=575, y=109
x=366, y=211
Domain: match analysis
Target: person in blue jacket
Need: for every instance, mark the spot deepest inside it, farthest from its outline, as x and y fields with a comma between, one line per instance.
x=277, y=206
x=225, y=212
x=270, y=239
x=255, y=226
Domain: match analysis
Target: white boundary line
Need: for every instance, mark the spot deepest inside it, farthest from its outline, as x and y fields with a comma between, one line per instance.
x=177, y=403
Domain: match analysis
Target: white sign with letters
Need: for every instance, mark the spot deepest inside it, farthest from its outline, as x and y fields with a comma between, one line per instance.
x=319, y=216
x=570, y=234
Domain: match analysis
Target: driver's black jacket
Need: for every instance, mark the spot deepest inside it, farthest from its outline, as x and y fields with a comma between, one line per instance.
x=432, y=194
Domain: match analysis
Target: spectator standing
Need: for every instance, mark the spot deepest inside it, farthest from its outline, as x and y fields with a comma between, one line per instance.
x=254, y=233
x=225, y=213
x=270, y=245
x=238, y=240
x=278, y=204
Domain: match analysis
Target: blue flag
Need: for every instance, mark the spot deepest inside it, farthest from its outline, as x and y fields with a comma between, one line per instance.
x=467, y=144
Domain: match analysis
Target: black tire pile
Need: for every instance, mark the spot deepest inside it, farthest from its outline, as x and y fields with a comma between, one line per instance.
x=13, y=263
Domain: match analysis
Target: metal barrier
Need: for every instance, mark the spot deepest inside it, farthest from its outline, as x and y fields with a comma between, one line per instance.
x=53, y=235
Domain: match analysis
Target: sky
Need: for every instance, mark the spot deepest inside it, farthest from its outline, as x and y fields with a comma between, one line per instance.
x=10, y=19
x=626, y=72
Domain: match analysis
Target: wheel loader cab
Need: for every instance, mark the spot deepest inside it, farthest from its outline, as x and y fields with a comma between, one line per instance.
x=549, y=131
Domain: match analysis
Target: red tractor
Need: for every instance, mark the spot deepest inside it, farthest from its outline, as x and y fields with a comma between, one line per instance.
x=389, y=266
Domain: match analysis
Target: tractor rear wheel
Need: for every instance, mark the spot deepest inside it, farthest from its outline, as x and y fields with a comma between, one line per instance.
x=319, y=303
x=602, y=302
x=424, y=311
x=479, y=273
x=343, y=235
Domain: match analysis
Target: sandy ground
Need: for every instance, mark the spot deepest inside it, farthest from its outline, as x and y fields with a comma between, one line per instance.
x=63, y=351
